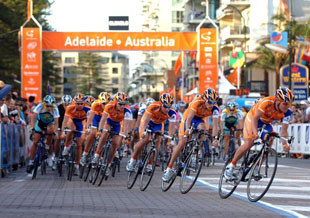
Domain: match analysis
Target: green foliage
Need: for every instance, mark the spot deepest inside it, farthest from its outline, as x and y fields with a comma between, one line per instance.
x=13, y=14
x=91, y=76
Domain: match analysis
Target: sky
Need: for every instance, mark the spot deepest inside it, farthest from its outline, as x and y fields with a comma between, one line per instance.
x=92, y=16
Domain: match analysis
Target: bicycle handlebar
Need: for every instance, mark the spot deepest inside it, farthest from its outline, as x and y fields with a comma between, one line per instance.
x=76, y=131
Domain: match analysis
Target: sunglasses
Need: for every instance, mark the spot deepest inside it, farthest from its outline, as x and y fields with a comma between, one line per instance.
x=49, y=105
x=168, y=107
x=80, y=103
x=121, y=104
x=285, y=103
x=212, y=102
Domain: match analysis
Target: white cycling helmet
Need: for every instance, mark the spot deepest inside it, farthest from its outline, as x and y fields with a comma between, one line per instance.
x=66, y=99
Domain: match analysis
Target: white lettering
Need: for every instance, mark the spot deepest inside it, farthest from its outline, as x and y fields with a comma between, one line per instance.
x=162, y=42
x=68, y=41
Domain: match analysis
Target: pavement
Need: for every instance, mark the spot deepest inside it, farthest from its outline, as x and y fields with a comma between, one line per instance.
x=53, y=196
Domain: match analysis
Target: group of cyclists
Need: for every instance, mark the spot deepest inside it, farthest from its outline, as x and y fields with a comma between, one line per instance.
x=88, y=118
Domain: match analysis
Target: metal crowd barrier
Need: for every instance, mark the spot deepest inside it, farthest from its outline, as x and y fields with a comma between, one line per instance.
x=12, y=146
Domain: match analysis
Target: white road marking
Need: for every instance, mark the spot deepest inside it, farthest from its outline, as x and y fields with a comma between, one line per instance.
x=274, y=180
x=298, y=208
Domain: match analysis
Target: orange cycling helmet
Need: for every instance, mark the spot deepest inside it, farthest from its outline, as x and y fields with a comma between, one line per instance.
x=284, y=95
x=88, y=99
x=166, y=99
x=104, y=97
x=210, y=95
x=121, y=97
x=78, y=98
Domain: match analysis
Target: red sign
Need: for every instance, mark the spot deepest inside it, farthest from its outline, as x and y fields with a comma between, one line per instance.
x=208, y=59
x=31, y=63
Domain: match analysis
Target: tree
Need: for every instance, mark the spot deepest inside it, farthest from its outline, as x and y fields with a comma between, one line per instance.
x=91, y=77
x=12, y=15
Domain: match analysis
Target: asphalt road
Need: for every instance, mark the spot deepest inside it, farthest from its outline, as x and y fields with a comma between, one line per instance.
x=53, y=196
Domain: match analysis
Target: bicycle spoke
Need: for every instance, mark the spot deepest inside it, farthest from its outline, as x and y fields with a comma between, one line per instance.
x=262, y=174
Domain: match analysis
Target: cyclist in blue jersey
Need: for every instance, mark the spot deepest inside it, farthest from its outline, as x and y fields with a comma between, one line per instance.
x=45, y=118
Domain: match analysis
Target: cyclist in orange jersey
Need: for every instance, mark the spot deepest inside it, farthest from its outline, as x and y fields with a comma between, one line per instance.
x=154, y=117
x=264, y=112
x=114, y=112
x=202, y=107
x=93, y=120
x=75, y=114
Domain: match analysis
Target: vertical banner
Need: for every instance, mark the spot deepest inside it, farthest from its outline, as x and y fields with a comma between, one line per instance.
x=31, y=62
x=208, y=59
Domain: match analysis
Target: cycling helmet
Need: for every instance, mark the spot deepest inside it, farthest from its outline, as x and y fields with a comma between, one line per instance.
x=121, y=97
x=176, y=107
x=231, y=105
x=284, y=95
x=88, y=99
x=141, y=104
x=66, y=99
x=166, y=99
x=210, y=95
x=181, y=104
x=78, y=98
x=149, y=101
x=49, y=100
x=104, y=97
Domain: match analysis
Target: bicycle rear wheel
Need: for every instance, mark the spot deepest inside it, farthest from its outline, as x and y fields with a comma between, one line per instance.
x=88, y=169
x=133, y=175
x=262, y=174
x=227, y=187
x=191, y=171
x=105, y=162
x=146, y=175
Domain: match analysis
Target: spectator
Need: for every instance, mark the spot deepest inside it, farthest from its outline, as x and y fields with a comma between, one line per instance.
x=306, y=112
x=303, y=108
x=296, y=114
x=4, y=109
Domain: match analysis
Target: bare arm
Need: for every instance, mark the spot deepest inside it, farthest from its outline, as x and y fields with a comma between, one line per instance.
x=56, y=120
x=64, y=123
x=189, y=118
x=145, y=121
x=103, y=120
x=90, y=119
x=33, y=119
x=215, y=130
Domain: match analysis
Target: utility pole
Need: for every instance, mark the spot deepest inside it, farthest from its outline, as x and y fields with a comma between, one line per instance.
x=290, y=46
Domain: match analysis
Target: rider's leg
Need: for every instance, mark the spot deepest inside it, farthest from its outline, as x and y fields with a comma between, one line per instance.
x=36, y=137
x=79, y=142
x=226, y=143
x=139, y=147
x=116, y=142
x=90, y=140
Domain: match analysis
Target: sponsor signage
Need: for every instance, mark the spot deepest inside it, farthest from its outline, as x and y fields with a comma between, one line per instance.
x=279, y=38
x=208, y=59
x=299, y=78
x=160, y=41
x=118, y=23
x=31, y=62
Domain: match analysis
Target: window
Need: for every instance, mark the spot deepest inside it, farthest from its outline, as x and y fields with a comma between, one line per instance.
x=105, y=60
x=176, y=29
x=115, y=70
x=177, y=16
x=114, y=81
x=114, y=90
x=69, y=60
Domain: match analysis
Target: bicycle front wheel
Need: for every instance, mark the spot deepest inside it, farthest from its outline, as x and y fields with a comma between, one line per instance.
x=262, y=174
x=148, y=173
x=191, y=171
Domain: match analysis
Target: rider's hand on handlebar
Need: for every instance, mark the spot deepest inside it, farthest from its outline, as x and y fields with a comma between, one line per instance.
x=186, y=133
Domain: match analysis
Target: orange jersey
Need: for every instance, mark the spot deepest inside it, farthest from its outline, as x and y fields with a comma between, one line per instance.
x=267, y=106
x=157, y=116
x=97, y=107
x=75, y=114
x=116, y=115
x=198, y=106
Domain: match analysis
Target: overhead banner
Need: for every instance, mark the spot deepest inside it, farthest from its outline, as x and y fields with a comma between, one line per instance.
x=208, y=59
x=160, y=41
x=299, y=78
x=31, y=62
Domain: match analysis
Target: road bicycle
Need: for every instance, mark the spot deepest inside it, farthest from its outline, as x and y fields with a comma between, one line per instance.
x=258, y=169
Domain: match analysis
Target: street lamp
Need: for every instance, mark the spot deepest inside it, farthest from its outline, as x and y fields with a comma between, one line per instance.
x=244, y=29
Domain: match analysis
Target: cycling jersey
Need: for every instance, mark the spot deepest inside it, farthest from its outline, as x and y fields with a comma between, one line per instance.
x=62, y=111
x=231, y=120
x=44, y=118
x=158, y=116
x=142, y=110
x=270, y=114
x=116, y=115
x=201, y=111
x=77, y=114
x=97, y=107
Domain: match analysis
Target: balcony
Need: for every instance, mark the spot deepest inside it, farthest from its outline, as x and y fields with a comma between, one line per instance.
x=234, y=33
x=221, y=13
